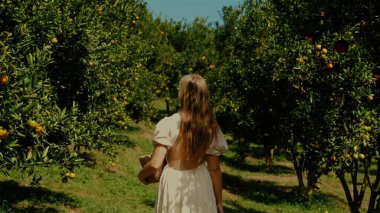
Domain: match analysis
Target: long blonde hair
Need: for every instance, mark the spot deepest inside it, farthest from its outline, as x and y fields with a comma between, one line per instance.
x=198, y=126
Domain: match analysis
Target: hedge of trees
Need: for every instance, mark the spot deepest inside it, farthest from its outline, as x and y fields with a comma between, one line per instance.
x=302, y=76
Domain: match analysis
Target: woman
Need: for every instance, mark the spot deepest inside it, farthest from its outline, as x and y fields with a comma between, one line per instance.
x=191, y=141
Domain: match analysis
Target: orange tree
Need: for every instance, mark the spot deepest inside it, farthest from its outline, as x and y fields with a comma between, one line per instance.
x=86, y=66
x=345, y=102
x=308, y=90
x=30, y=120
x=186, y=48
x=247, y=100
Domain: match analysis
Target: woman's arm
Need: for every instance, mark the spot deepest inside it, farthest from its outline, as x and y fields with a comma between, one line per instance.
x=154, y=164
x=213, y=167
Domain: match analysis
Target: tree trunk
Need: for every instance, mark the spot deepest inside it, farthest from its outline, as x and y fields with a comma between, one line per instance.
x=269, y=151
x=375, y=199
x=354, y=176
x=377, y=209
x=372, y=202
x=351, y=203
x=167, y=107
x=299, y=173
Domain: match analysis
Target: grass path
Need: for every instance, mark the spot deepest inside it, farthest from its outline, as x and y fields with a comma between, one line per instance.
x=101, y=187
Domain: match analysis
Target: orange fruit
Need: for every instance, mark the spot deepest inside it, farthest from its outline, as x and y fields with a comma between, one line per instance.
x=4, y=79
x=3, y=134
x=330, y=66
x=324, y=51
x=99, y=11
x=370, y=98
x=39, y=130
x=318, y=47
x=33, y=124
x=300, y=60
x=361, y=156
x=72, y=175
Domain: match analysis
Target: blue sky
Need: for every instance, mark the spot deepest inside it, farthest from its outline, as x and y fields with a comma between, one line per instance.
x=187, y=10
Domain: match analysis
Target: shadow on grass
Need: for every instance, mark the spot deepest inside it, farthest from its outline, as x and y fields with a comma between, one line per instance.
x=150, y=202
x=261, y=191
x=40, y=199
x=268, y=192
x=120, y=137
x=243, y=166
x=237, y=208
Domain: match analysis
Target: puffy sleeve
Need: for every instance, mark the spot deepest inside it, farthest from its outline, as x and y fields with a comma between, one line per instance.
x=162, y=133
x=218, y=146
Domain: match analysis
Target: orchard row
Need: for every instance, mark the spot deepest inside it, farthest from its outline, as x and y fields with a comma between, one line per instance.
x=296, y=75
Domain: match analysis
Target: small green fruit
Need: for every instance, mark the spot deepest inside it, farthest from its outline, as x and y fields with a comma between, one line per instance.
x=54, y=40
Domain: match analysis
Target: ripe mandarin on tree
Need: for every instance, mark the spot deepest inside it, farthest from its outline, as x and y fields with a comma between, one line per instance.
x=3, y=133
x=4, y=79
x=33, y=124
x=370, y=98
x=300, y=60
x=99, y=10
x=330, y=66
x=39, y=130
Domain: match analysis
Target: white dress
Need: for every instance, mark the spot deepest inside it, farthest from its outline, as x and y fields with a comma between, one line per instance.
x=187, y=190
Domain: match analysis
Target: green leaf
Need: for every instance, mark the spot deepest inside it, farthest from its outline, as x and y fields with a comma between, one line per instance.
x=44, y=154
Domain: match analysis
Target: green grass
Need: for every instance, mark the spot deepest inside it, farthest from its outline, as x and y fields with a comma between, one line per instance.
x=99, y=187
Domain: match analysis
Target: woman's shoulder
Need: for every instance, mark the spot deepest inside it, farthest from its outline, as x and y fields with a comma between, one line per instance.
x=169, y=120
